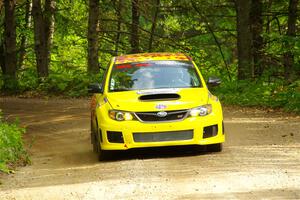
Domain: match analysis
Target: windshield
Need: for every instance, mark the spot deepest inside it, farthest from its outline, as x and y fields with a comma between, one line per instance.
x=153, y=75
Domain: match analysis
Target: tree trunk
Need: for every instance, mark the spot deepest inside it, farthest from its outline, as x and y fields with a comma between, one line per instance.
x=153, y=27
x=2, y=58
x=244, y=39
x=93, y=28
x=10, y=58
x=288, y=57
x=39, y=39
x=24, y=37
x=269, y=7
x=43, y=34
x=49, y=21
x=2, y=64
x=119, y=15
x=135, y=26
x=257, y=29
x=1, y=7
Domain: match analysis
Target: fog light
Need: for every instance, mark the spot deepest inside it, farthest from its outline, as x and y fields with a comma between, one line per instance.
x=115, y=137
x=210, y=131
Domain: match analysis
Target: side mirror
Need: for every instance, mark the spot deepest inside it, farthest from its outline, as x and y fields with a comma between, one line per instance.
x=95, y=88
x=213, y=81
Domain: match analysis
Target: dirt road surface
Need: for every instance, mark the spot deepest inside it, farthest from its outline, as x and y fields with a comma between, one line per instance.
x=260, y=160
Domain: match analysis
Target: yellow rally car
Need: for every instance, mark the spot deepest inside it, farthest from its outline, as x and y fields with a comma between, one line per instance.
x=153, y=100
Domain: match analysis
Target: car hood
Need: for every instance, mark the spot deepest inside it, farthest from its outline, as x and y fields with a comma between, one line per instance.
x=129, y=100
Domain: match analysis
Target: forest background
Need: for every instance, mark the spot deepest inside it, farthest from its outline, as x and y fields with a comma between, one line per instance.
x=58, y=47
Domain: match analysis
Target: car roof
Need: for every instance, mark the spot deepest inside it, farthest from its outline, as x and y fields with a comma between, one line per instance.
x=142, y=57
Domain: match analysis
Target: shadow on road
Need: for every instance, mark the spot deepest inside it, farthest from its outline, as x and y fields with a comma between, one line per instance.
x=156, y=152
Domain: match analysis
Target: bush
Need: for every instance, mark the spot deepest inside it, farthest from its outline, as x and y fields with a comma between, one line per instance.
x=61, y=81
x=11, y=145
x=71, y=83
x=265, y=94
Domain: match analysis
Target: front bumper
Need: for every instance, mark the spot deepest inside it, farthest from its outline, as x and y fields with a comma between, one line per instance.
x=129, y=129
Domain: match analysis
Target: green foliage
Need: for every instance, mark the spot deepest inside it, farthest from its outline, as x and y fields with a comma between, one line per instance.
x=61, y=81
x=202, y=34
x=71, y=83
x=11, y=145
x=274, y=95
x=9, y=83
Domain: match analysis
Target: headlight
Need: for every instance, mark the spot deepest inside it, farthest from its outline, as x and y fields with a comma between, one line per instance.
x=201, y=110
x=120, y=115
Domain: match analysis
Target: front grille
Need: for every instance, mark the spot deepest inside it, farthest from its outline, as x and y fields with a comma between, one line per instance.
x=163, y=136
x=153, y=117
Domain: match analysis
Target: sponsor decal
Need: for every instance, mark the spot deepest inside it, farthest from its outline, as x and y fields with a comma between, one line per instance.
x=160, y=106
x=150, y=56
x=123, y=66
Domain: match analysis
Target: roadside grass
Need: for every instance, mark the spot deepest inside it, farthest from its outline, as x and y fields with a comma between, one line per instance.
x=12, y=151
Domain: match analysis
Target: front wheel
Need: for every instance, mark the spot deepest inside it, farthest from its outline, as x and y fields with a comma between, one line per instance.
x=103, y=154
x=94, y=140
x=214, y=147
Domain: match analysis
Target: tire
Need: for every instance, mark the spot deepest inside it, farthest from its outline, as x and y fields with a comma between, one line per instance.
x=214, y=147
x=95, y=146
x=94, y=140
x=103, y=154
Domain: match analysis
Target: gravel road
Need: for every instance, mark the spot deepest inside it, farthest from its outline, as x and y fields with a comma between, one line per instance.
x=260, y=160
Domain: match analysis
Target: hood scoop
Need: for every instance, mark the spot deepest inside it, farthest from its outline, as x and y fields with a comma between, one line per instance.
x=159, y=97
